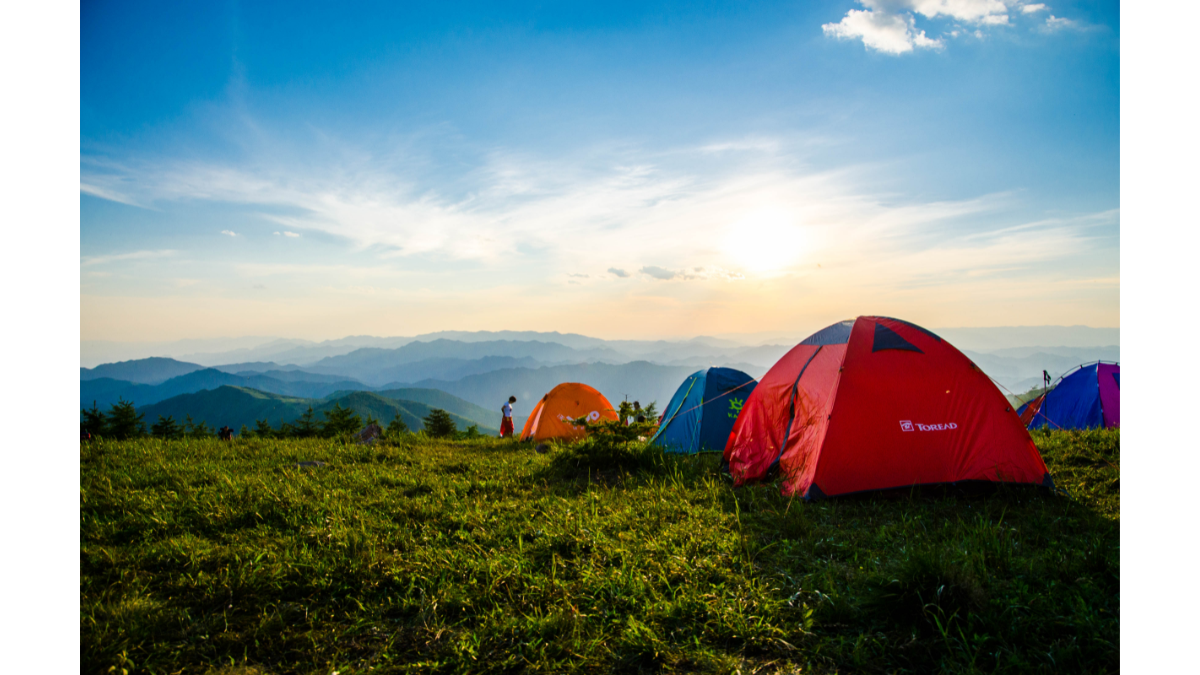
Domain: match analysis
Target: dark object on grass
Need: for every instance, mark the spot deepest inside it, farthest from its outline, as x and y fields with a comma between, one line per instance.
x=225, y=433
x=302, y=464
x=542, y=448
x=368, y=435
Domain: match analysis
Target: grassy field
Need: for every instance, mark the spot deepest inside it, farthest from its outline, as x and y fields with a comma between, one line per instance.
x=485, y=556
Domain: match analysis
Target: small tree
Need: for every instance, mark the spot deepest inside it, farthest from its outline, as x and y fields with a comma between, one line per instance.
x=165, y=428
x=471, y=433
x=262, y=429
x=124, y=421
x=439, y=424
x=245, y=432
x=202, y=430
x=93, y=421
x=396, y=426
x=306, y=426
x=341, y=421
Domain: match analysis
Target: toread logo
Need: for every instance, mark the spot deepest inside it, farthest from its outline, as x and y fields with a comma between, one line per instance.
x=907, y=425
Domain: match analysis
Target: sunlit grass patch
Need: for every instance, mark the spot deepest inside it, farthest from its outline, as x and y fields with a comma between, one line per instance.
x=487, y=556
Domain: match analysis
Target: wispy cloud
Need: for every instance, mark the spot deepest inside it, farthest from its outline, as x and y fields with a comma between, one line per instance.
x=230, y=233
x=681, y=214
x=1054, y=23
x=658, y=273
x=122, y=257
x=1031, y=8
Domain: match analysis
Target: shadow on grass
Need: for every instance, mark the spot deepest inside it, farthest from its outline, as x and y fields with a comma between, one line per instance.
x=953, y=578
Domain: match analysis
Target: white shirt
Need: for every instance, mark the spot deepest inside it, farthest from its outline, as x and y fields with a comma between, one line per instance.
x=506, y=409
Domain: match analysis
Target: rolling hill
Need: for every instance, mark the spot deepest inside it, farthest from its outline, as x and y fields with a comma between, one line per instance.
x=155, y=370
x=106, y=391
x=435, y=398
x=237, y=406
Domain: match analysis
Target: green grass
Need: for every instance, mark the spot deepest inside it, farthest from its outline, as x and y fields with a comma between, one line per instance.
x=486, y=556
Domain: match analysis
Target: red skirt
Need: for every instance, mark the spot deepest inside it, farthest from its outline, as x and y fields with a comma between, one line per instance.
x=506, y=427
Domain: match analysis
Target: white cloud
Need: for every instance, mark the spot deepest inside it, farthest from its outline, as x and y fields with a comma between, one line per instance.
x=989, y=12
x=229, y=232
x=287, y=234
x=620, y=273
x=889, y=26
x=119, y=257
x=881, y=31
x=1054, y=23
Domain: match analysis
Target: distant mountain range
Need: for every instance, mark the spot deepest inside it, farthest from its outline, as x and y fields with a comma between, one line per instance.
x=485, y=368
x=219, y=351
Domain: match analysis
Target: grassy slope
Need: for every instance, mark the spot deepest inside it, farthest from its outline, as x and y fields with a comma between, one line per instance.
x=478, y=557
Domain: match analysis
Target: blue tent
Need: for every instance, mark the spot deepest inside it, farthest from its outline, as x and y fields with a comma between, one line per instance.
x=1088, y=398
x=702, y=411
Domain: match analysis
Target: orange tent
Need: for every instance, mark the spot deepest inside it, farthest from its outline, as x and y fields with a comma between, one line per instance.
x=551, y=417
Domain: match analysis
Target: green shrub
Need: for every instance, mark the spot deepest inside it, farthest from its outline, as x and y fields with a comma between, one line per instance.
x=340, y=421
x=439, y=424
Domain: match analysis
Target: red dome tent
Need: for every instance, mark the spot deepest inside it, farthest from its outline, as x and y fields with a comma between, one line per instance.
x=878, y=403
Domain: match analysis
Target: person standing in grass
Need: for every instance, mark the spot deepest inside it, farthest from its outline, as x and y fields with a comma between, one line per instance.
x=506, y=425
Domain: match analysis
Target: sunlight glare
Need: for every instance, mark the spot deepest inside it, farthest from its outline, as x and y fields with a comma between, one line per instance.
x=765, y=240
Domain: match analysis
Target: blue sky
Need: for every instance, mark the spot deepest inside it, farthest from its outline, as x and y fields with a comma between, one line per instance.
x=640, y=170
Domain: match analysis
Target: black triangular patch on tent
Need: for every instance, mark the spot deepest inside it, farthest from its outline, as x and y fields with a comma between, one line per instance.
x=1047, y=481
x=886, y=338
x=814, y=493
x=926, y=331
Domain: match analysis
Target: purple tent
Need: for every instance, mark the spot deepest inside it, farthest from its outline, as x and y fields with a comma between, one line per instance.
x=1087, y=398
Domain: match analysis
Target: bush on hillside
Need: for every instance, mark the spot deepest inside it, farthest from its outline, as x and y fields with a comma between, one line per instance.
x=124, y=421
x=262, y=429
x=610, y=445
x=439, y=424
x=470, y=434
x=193, y=430
x=305, y=426
x=92, y=421
x=340, y=421
x=396, y=426
x=166, y=428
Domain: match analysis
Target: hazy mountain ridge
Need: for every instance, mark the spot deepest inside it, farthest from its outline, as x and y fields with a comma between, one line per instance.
x=238, y=406
x=286, y=352
x=105, y=392
x=154, y=370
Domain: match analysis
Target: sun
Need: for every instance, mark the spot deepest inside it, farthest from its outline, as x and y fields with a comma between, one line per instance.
x=765, y=240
